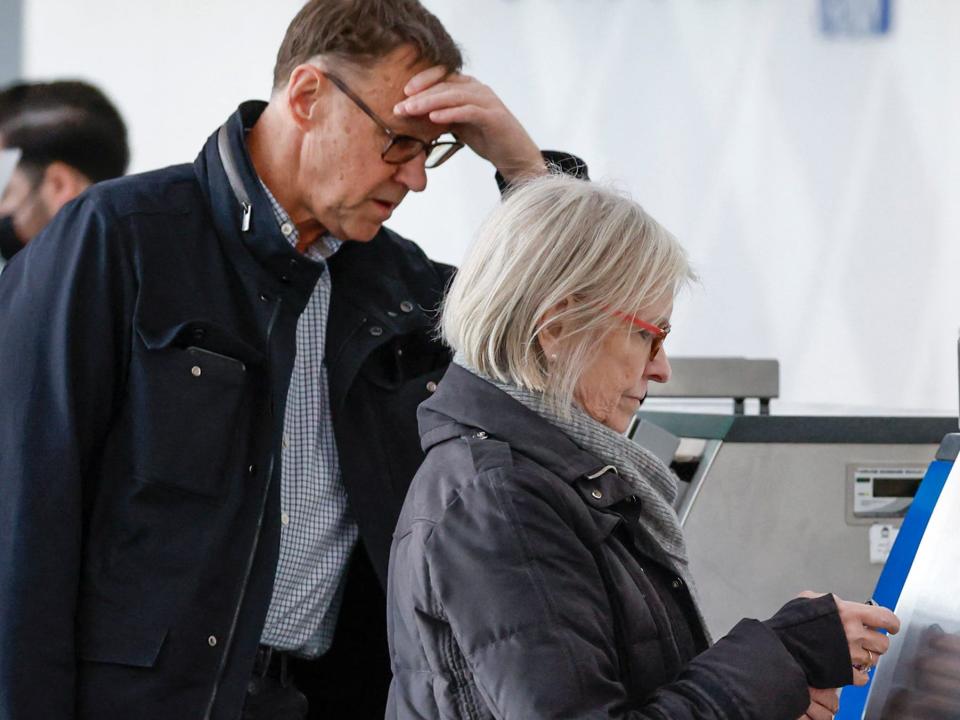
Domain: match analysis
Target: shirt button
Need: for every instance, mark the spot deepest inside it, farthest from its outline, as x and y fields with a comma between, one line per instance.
x=196, y=371
x=677, y=583
x=285, y=443
x=431, y=386
x=284, y=519
x=212, y=641
x=252, y=470
x=286, y=229
x=376, y=331
x=597, y=494
x=406, y=306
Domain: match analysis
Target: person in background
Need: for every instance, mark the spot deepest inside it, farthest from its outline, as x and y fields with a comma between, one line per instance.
x=67, y=135
x=210, y=376
x=538, y=569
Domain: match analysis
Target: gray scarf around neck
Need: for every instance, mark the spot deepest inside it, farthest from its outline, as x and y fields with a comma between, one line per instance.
x=655, y=484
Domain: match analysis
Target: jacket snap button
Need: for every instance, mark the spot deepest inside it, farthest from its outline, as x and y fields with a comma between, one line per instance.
x=480, y=435
x=264, y=297
x=676, y=583
x=252, y=470
x=391, y=313
x=376, y=331
x=212, y=641
x=196, y=371
x=406, y=306
x=431, y=386
x=597, y=494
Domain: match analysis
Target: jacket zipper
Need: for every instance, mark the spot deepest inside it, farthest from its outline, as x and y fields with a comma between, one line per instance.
x=256, y=540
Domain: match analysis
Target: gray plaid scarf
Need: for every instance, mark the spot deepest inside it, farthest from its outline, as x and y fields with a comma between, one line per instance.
x=661, y=537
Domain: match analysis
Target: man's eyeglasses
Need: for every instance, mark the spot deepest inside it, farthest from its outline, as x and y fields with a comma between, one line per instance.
x=658, y=332
x=401, y=148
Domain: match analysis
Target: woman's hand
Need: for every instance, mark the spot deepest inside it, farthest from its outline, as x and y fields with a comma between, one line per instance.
x=862, y=624
x=823, y=704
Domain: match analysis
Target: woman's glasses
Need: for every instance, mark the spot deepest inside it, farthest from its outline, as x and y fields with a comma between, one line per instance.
x=658, y=332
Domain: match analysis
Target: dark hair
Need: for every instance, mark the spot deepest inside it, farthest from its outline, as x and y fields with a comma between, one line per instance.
x=362, y=32
x=66, y=121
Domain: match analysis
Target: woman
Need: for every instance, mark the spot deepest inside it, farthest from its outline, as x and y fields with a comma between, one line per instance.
x=538, y=569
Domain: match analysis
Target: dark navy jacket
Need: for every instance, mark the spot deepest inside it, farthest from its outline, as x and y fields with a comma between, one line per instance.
x=146, y=344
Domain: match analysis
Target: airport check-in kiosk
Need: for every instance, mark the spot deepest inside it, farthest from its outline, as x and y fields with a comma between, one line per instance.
x=774, y=505
x=919, y=678
x=866, y=507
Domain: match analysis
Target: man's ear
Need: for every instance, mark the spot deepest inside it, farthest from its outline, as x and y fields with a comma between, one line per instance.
x=551, y=330
x=303, y=92
x=61, y=183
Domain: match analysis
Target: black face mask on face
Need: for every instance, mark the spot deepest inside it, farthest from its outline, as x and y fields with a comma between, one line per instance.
x=10, y=243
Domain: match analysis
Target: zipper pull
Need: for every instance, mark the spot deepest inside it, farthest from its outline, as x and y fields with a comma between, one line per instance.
x=245, y=220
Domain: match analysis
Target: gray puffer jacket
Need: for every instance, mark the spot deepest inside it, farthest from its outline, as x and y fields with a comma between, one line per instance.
x=516, y=590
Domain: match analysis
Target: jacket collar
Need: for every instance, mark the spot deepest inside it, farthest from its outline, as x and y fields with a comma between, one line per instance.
x=288, y=273
x=464, y=401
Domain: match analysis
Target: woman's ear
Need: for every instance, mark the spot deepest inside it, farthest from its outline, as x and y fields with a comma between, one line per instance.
x=307, y=84
x=551, y=330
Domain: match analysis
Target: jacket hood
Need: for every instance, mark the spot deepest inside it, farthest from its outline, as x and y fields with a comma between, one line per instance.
x=464, y=403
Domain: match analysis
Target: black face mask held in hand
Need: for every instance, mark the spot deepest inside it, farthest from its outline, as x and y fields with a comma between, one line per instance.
x=10, y=244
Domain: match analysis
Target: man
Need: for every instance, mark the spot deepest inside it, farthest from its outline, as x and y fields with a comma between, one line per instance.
x=67, y=135
x=209, y=377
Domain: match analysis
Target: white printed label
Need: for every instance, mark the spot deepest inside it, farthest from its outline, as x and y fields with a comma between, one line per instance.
x=882, y=538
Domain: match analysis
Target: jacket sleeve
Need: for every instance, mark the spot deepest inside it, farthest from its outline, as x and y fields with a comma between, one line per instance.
x=529, y=611
x=63, y=332
x=557, y=162
x=811, y=631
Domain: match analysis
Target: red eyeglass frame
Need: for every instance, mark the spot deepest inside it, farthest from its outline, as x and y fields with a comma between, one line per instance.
x=659, y=332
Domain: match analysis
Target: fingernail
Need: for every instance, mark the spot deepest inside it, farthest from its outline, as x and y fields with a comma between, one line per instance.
x=399, y=109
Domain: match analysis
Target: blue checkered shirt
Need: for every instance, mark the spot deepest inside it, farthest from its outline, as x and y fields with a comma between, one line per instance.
x=317, y=531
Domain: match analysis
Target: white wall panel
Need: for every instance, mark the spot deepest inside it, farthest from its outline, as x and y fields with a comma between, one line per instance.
x=814, y=180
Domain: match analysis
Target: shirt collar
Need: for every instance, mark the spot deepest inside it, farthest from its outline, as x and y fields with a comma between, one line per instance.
x=325, y=246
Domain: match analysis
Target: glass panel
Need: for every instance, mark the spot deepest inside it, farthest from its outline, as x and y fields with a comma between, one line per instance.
x=920, y=676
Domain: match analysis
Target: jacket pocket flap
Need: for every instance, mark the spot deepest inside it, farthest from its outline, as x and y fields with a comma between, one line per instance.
x=199, y=333
x=120, y=641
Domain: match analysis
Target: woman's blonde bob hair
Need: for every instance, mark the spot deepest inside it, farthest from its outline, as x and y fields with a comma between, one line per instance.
x=557, y=242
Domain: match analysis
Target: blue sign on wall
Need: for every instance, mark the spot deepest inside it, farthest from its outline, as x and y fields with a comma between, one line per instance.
x=855, y=18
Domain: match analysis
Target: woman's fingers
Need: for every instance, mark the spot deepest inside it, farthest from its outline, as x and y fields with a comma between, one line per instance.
x=860, y=677
x=824, y=704
x=876, y=642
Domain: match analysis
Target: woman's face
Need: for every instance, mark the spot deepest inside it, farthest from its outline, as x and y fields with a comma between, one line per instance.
x=614, y=384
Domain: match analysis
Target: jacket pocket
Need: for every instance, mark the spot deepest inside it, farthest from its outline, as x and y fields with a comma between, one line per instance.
x=104, y=638
x=185, y=403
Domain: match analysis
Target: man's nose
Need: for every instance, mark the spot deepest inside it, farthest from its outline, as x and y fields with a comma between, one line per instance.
x=659, y=369
x=413, y=173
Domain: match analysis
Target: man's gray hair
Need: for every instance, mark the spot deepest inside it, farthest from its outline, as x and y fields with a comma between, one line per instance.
x=557, y=242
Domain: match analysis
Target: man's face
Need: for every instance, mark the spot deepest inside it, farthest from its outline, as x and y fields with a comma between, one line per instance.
x=343, y=182
x=23, y=202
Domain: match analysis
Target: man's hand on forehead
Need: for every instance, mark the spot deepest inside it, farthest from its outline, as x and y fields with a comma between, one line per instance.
x=476, y=116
